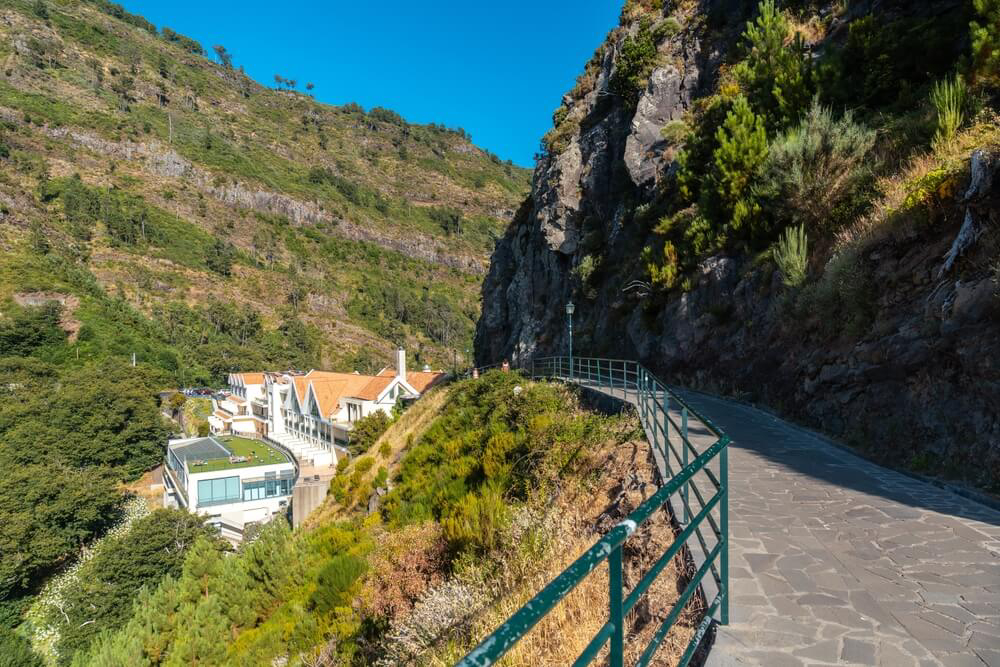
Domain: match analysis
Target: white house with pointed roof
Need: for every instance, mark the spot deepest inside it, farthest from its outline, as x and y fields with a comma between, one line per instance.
x=312, y=414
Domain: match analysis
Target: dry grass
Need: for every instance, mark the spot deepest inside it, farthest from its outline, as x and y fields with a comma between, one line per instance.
x=143, y=488
x=405, y=430
x=907, y=188
x=621, y=477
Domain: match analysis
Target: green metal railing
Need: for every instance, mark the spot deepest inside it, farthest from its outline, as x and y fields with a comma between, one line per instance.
x=704, y=526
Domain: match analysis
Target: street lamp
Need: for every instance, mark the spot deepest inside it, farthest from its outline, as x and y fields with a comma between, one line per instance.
x=569, y=321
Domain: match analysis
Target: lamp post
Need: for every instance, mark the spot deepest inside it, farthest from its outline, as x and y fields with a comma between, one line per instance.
x=569, y=322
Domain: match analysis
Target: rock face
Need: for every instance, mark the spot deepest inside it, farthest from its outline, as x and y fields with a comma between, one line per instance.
x=914, y=379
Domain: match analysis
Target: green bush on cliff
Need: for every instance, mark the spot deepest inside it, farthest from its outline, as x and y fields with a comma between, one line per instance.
x=634, y=65
x=775, y=73
x=985, y=31
x=813, y=171
x=727, y=194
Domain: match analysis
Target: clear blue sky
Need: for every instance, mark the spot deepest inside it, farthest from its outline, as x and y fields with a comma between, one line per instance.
x=498, y=69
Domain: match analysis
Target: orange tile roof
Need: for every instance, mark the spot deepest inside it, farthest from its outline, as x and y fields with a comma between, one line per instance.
x=419, y=380
x=422, y=380
x=251, y=378
x=374, y=388
x=235, y=399
x=301, y=384
x=222, y=415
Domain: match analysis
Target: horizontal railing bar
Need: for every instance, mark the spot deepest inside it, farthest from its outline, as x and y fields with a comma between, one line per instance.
x=527, y=616
x=595, y=645
x=702, y=629
x=665, y=559
x=678, y=607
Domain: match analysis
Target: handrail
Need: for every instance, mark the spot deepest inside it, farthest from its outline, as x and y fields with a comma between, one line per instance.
x=653, y=401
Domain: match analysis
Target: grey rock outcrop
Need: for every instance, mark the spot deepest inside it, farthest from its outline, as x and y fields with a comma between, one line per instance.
x=908, y=369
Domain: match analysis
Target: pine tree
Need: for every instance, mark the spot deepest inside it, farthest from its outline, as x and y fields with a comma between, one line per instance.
x=985, y=31
x=775, y=75
x=742, y=150
x=203, y=639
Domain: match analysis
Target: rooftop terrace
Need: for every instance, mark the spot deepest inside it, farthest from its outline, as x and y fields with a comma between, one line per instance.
x=227, y=453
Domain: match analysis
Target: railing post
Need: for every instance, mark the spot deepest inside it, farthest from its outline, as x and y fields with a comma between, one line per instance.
x=617, y=657
x=684, y=461
x=724, y=528
x=666, y=425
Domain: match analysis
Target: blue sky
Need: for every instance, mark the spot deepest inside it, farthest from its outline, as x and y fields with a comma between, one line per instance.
x=498, y=69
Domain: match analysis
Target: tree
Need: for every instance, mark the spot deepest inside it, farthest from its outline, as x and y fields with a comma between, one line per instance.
x=50, y=511
x=742, y=150
x=367, y=430
x=31, y=328
x=985, y=31
x=634, y=65
x=15, y=651
x=154, y=547
x=775, y=74
x=220, y=256
x=224, y=56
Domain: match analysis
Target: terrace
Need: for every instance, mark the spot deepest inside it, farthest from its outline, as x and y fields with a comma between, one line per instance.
x=235, y=452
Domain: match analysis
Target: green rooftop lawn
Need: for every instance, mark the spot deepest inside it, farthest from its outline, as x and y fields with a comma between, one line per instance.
x=257, y=453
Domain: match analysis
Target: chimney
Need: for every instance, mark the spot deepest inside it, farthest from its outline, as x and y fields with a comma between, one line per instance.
x=401, y=364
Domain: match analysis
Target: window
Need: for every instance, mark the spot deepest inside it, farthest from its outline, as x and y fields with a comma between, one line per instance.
x=218, y=491
x=266, y=488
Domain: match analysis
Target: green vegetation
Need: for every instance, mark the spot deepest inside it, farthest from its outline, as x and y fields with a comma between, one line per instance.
x=766, y=158
x=948, y=97
x=774, y=74
x=154, y=547
x=67, y=438
x=792, y=255
x=256, y=453
x=815, y=171
x=491, y=451
x=986, y=39
x=634, y=65
x=367, y=430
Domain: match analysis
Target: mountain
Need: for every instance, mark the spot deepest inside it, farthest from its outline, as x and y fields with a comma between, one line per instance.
x=234, y=224
x=793, y=204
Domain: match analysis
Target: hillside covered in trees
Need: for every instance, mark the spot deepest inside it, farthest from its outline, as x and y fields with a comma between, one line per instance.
x=218, y=224
x=156, y=204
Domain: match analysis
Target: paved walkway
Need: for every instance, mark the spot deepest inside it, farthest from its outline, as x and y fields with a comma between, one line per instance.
x=837, y=561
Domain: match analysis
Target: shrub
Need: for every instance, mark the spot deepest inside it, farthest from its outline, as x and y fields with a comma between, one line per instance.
x=634, y=65
x=948, y=97
x=792, y=255
x=675, y=131
x=774, y=75
x=15, y=651
x=662, y=270
x=986, y=39
x=367, y=430
x=667, y=29
x=477, y=521
x=741, y=152
x=814, y=168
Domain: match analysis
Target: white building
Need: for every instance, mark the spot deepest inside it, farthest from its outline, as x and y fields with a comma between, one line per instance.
x=232, y=480
x=312, y=414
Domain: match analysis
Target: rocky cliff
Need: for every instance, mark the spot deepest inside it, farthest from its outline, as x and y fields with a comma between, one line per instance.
x=891, y=345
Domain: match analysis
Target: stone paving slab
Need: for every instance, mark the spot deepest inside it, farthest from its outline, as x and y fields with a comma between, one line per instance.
x=856, y=564
x=835, y=560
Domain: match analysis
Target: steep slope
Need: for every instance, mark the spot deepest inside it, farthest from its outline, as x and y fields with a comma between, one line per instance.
x=492, y=492
x=689, y=151
x=198, y=187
